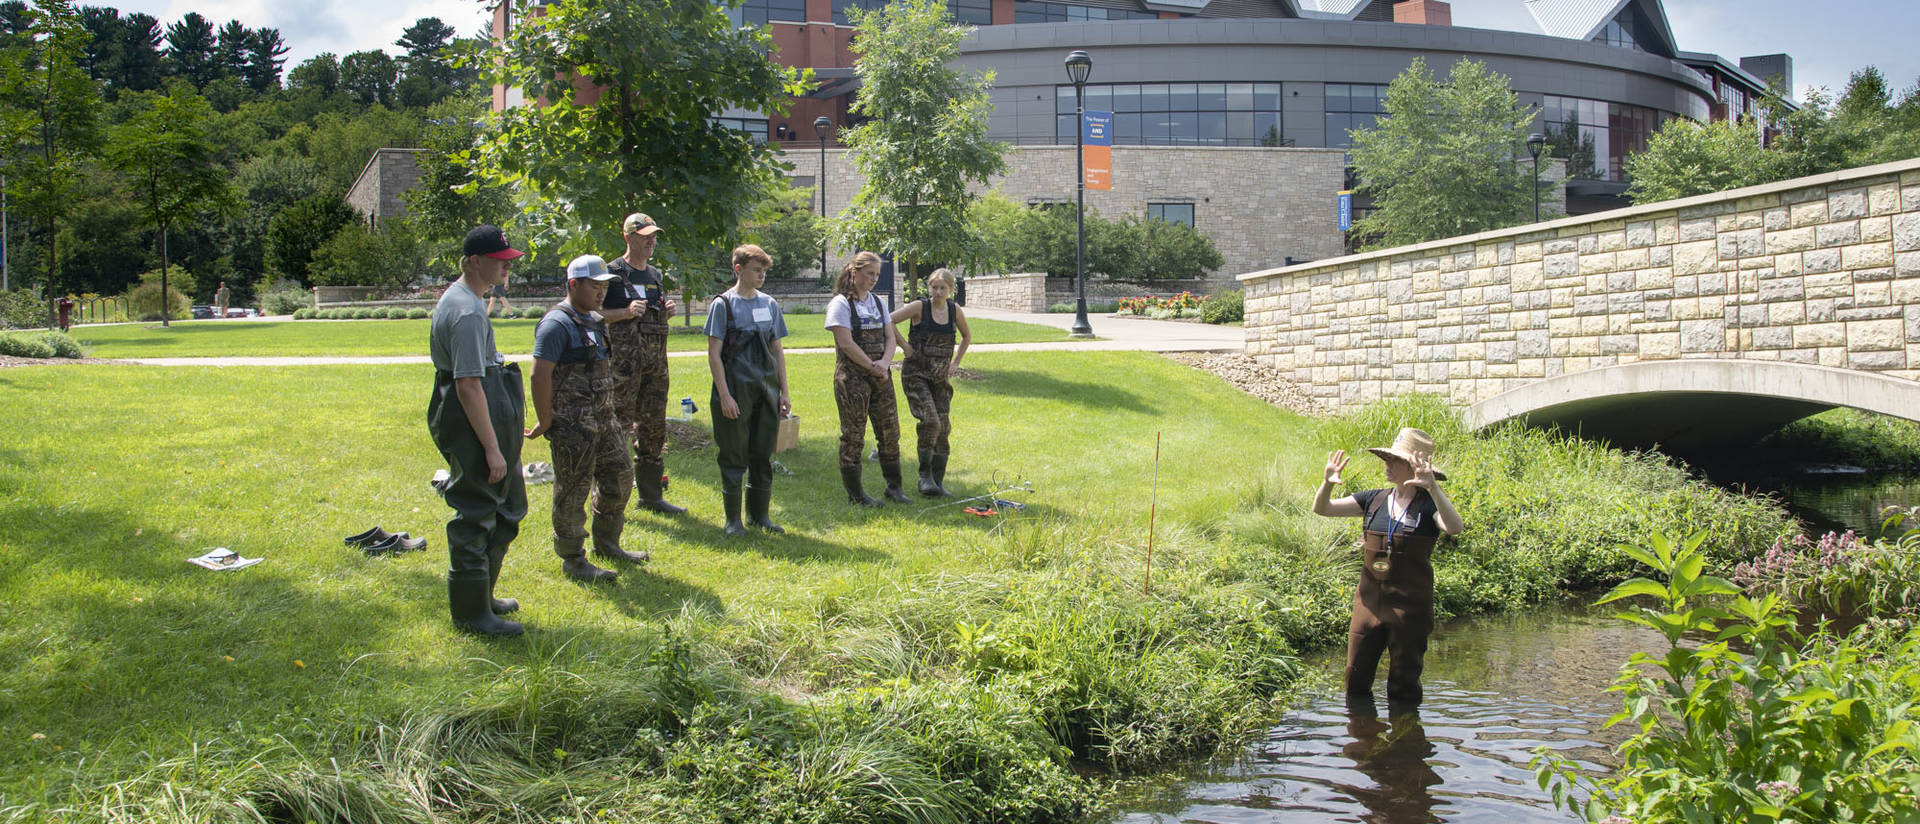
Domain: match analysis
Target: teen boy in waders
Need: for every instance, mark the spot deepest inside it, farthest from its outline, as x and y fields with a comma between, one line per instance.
x=928, y=362
x=744, y=328
x=1393, y=607
x=862, y=385
x=573, y=399
x=475, y=415
x=637, y=310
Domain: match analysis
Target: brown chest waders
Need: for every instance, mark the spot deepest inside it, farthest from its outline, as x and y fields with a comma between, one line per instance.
x=746, y=443
x=1392, y=609
x=590, y=460
x=486, y=516
x=640, y=364
x=861, y=397
x=923, y=379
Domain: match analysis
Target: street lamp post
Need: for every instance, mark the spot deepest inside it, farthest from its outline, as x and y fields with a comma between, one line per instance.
x=1079, y=66
x=1535, y=142
x=821, y=125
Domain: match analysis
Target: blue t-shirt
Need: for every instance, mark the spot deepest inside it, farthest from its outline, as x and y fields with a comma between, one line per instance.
x=1419, y=519
x=761, y=313
x=556, y=334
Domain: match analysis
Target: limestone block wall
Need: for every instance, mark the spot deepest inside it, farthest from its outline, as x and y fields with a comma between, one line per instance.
x=1012, y=293
x=1819, y=270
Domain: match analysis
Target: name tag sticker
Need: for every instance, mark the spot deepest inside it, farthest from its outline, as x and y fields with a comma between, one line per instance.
x=762, y=314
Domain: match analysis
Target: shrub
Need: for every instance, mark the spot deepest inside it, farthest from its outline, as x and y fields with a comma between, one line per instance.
x=798, y=309
x=22, y=308
x=284, y=297
x=145, y=297
x=297, y=232
x=535, y=312
x=419, y=314
x=390, y=257
x=24, y=345
x=303, y=314
x=1226, y=307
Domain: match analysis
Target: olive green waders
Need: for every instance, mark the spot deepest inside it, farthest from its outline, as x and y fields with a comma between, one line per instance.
x=746, y=442
x=486, y=516
x=1392, y=609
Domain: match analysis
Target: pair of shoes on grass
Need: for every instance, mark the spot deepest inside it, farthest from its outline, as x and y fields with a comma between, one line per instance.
x=538, y=473
x=377, y=541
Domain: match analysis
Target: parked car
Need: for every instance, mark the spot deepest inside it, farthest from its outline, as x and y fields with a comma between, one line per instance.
x=242, y=312
x=202, y=313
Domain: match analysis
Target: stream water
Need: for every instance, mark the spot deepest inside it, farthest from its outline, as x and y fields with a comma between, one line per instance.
x=1497, y=688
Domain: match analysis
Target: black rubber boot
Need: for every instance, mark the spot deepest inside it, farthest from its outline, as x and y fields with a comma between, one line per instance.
x=891, y=471
x=648, y=492
x=468, y=600
x=730, y=496
x=496, y=558
x=850, y=478
x=606, y=541
x=927, y=486
x=939, y=475
x=759, y=499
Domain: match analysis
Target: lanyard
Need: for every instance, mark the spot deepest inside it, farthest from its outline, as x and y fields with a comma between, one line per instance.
x=1393, y=523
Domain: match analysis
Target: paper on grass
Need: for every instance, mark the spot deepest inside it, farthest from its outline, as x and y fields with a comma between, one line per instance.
x=221, y=559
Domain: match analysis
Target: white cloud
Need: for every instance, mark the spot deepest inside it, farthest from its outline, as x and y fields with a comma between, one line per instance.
x=341, y=26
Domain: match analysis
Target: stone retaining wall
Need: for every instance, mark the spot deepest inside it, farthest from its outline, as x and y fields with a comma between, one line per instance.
x=1819, y=270
x=1010, y=293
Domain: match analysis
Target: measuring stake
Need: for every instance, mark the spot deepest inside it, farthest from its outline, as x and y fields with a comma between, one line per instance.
x=1152, y=507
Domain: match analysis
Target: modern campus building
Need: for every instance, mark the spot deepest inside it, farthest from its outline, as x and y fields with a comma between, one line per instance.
x=1227, y=112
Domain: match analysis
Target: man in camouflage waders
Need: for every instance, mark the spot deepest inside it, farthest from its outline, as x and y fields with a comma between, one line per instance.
x=1393, y=606
x=475, y=415
x=637, y=310
x=573, y=397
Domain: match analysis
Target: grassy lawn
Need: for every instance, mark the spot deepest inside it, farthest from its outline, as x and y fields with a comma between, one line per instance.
x=869, y=660
x=190, y=339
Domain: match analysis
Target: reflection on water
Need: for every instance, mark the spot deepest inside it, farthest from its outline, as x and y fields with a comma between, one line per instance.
x=1496, y=688
x=1848, y=501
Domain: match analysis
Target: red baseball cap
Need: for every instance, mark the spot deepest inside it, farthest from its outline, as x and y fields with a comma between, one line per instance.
x=488, y=240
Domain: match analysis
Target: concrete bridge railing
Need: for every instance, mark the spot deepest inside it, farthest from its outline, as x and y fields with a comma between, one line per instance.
x=1818, y=271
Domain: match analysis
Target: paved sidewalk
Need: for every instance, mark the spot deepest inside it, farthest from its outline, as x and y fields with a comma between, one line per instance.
x=1113, y=334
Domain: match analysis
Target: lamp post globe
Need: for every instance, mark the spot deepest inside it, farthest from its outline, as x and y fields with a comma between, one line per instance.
x=1079, y=68
x=1535, y=142
x=821, y=125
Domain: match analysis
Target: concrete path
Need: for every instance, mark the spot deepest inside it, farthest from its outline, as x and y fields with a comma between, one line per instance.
x=1113, y=334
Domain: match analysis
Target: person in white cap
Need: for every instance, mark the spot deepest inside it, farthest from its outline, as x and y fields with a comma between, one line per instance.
x=573, y=398
x=1393, y=606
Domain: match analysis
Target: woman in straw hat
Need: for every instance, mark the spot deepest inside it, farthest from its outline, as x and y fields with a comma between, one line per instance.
x=1393, y=608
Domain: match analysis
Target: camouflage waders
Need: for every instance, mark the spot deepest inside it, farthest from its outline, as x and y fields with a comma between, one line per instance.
x=923, y=378
x=590, y=458
x=746, y=443
x=640, y=366
x=1392, y=609
x=862, y=397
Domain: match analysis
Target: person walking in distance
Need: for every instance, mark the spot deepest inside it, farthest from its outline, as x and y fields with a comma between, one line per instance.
x=573, y=393
x=744, y=328
x=637, y=310
x=220, y=298
x=1393, y=606
x=929, y=360
x=475, y=415
x=863, y=341
x=499, y=293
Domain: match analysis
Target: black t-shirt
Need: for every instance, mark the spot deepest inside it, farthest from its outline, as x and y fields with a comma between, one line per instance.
x=1419, y=517
x=633, y=285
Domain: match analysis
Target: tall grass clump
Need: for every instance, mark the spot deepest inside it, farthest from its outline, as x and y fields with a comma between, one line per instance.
x=1849, y=436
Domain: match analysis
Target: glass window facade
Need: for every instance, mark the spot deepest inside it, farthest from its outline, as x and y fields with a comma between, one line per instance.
x=767, y=11
x=971, y=12
x=1627, y=30
x=1179, y=114
x=1595, y=136
x=1032, y=11
x=1352, y=106
x=755, y=128
x=1181, y=213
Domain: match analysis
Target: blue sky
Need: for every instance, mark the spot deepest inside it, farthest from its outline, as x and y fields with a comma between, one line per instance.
x=1828, y=39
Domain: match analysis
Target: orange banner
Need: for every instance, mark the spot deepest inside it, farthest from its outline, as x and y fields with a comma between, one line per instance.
x=1099, y=163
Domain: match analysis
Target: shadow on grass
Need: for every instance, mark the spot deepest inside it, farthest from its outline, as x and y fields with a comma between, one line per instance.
x=795, y=545
x=1023, y=383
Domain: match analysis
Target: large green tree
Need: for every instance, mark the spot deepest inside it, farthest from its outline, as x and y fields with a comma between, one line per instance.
x=924, y=139
x=1447, y=159
x=172, y=164
x=1686, y=158
x=620, y=100
x=49, y=121
x=449, y=199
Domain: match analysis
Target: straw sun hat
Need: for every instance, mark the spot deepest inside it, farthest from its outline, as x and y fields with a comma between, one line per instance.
x=1410, y=445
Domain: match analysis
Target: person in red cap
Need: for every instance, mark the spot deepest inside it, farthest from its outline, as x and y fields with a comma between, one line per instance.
x=475, y=414
x=1393, y=606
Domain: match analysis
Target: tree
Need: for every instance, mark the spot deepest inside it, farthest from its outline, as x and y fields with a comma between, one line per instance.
x=49, y=122
x=299, y=230
x=265, y=51
x=169, y=159
x=924, y=140
x=390, y=257
x=449, y=199
x=191, y=51
x=638, y=134
x=1444, y=161
x=368, y=76
x=786, y=227
x=231, y=53
x=320, y=72
x=1686, y=158
x=428, y=70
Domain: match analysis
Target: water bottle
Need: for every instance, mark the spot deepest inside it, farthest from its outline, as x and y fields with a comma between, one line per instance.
x=687, y=409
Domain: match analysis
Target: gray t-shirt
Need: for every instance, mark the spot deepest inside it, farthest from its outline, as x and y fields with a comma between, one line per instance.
x=460, y=340
x=873, y=313
x=761, y=313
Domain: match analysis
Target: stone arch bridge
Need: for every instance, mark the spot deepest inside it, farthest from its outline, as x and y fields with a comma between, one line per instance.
x=1706, y=320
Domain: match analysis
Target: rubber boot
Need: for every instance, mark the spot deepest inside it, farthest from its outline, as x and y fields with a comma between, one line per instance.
x=850, y=478
x=730, y=496
x=496, y=558
x=467, y=600
x=759, y=498
x=649, y=494
x=891, y=471
x=927, y=486
x=606, y=540
x=573, y=561
x=940, y=476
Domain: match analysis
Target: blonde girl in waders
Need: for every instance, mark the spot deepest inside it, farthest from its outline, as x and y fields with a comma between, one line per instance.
x=744, y=328
x=928, y=361
x=1393, y=607
x=863, y=340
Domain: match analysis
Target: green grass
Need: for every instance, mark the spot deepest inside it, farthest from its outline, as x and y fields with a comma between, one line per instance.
x=190, y=339
x=871, y=662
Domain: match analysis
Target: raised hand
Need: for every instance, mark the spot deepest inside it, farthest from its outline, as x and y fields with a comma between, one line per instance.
x=1423, y=473
x=1336, y=464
